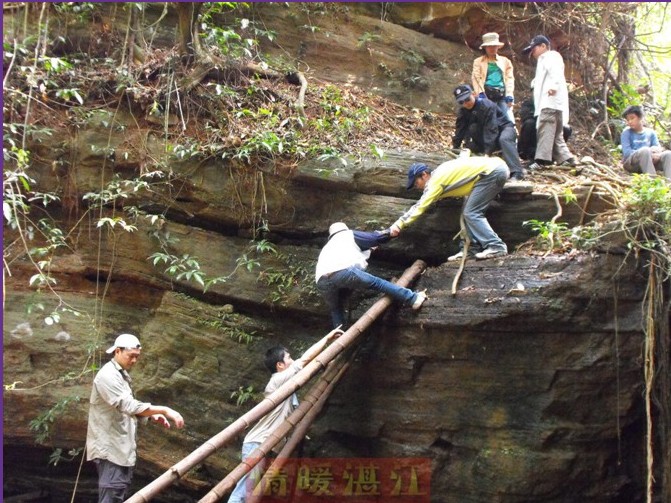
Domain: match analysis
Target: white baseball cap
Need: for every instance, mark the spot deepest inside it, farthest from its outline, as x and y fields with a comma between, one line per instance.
x=125, y=341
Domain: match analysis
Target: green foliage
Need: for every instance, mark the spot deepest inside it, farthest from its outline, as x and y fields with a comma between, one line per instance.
x=14, y=204
x=57, y=455
x=649, y=199
x=651, y=23
x=648, y=217
x=293, y=276
x=311, y=28
x=385, y=70
x=243, y=395
x=231, y=325
x=116, y=191
x=264, y=143
x=619, y=100
x=569, y=195
x=228, y=40
x=42, y=424
x=550, y=234
x=185, y=267
x=331, y=99
x=80, y=8
x=376, y=151
x=329, y=153
x=412, y=77
x=412, y=58
x=55, y=65
x=366, y=39
x=188, y=150
x=337, y=120
x=17, y=184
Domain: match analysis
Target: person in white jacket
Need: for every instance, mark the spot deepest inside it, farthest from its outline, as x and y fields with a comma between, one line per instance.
x=341, y=268
x=551, y=104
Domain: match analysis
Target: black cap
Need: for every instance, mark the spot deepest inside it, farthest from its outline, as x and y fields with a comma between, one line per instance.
x=537, y=40
x=462, y=93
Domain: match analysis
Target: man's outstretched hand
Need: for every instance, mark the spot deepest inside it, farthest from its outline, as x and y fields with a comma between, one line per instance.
x=394, y=231
x=168, y=413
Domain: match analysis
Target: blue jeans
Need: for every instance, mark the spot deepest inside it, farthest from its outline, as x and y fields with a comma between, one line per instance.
x=335, y=288
x=484, y=191
x=508, y=111
x=243, y=487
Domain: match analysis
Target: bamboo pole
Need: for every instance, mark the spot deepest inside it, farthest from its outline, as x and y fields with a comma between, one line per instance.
x=299, y=432
x=227, y=484
x=210, y=446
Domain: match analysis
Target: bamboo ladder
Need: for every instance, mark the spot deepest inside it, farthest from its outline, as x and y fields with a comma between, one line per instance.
x=309, y=412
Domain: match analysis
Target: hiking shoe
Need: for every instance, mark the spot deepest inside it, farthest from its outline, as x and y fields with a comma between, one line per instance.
x=458, y=256
x=421, y=297
x=570, y=162
x=490, y=253
x=517, y=176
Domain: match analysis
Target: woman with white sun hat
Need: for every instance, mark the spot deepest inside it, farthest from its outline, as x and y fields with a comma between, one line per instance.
x=493, y=75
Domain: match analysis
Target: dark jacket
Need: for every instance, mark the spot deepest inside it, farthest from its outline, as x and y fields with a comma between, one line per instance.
x=526, y=141
x=480, y=126
x=366, y=240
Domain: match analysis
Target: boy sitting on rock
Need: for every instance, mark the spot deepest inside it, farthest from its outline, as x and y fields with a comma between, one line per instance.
x=641, y=151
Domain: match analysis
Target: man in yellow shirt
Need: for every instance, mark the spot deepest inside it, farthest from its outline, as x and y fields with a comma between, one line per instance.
x=479, y=180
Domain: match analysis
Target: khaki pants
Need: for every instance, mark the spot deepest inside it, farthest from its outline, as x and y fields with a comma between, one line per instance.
x=641, y=161
x=550, y=144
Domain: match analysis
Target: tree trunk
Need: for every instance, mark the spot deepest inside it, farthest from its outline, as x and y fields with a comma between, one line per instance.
x=187, y=15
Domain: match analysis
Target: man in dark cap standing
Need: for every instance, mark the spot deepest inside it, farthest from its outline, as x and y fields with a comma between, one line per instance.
x=551, y=104
x=484, y=127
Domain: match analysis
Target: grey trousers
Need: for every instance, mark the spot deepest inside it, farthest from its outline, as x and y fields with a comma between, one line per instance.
x=508, y=144
x=550, y=144
x=641, y=162
x=484, y=192
x=113, y=481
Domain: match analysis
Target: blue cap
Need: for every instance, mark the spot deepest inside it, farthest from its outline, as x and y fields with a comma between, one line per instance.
x=414, y=171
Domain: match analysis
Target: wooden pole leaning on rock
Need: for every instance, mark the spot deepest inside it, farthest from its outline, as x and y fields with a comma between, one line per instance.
x=299, y=432
x=180, y=469
x=296, y=417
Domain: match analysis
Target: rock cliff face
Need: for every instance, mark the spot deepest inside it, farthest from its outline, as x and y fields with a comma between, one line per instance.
x=523, y=387
x=515, y=394
x=523, y=384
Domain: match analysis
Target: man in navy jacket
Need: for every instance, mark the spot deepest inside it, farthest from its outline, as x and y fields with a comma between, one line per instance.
x=485, y=128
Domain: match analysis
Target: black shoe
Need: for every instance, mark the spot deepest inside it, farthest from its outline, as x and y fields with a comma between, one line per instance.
x=518, y=175
x=570, y=162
